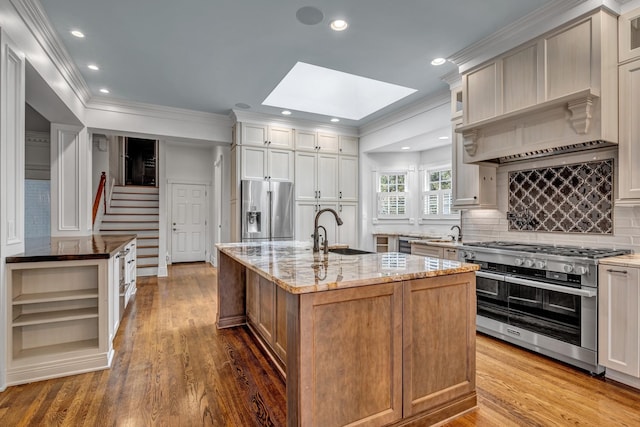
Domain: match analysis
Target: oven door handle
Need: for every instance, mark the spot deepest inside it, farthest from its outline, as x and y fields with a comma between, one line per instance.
x=549, y=287
x=492, y=276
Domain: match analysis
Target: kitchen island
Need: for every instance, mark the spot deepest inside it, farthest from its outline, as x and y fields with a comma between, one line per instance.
x=371, y=339
x=65, y=300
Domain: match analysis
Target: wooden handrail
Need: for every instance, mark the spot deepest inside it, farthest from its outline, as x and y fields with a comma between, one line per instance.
x=102, y=191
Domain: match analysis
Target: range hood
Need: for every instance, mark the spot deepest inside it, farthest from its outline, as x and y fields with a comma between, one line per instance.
x=555, y=94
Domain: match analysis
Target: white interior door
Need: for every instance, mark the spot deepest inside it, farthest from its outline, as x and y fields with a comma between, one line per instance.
x=188, y=219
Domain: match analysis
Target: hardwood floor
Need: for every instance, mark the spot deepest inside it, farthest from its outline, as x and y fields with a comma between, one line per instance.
x=173, y=368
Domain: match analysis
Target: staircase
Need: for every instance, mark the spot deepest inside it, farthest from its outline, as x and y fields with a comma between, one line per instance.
x=135, y=210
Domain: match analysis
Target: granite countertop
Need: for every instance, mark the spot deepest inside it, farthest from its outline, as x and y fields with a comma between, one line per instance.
x=294, y=267
x=97, y=246
x=439, y=242
x=412, y=235
x=629, y=260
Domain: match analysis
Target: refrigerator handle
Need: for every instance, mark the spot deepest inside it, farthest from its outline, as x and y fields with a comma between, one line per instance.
x=269, y=193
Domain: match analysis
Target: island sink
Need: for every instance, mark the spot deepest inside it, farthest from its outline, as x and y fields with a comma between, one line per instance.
x=349, y=251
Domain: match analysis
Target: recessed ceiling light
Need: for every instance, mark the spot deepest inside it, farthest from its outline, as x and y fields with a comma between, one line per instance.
x=405, y=148
x=335, y=120
x=243, y=105
x=286, y=112
x=438, y=61
x=443, y=137
x=104, y=90
x=93, y=67
x=78, y=34
x=339, y=25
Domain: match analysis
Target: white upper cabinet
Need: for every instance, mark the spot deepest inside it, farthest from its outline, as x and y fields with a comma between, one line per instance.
x=267, y=164
x=316, y=141
x=348, y=178
x=328, y=142
x=348, y=145
x=629, y=35
x=265, y=136
x=306, y=176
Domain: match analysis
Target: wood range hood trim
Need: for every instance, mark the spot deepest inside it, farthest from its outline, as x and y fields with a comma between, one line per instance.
x=580, y=108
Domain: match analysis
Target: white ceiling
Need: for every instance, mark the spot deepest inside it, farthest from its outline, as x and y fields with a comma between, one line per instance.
x=210, y=55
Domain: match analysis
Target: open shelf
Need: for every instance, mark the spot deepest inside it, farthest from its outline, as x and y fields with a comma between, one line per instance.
x=66, y=347
x=55, y=316
x=41, y=297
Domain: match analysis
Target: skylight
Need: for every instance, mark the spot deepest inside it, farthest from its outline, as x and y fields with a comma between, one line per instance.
x=334, y=93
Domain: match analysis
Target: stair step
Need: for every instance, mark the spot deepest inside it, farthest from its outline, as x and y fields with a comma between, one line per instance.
x=136, y=217
x=147, y=271
x=134, y=196
x=147, y=250
x=147, y=241
x=139, y=233
x=134, y=203
x=129, y=226
x=145, y=189
x=128, y=210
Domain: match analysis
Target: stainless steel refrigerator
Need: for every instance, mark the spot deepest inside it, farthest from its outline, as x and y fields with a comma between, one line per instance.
x=266, y=210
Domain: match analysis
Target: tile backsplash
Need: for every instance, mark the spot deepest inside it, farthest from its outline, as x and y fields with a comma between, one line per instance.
x=574, y=198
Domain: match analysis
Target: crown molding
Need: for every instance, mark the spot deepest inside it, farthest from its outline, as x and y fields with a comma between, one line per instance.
x=419, y=107
x=536, y=23
x=453, y=79
x=36, y=20
x=156, y=111
x=268, y=119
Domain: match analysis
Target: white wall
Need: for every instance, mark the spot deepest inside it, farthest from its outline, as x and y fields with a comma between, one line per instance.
x=419, y=124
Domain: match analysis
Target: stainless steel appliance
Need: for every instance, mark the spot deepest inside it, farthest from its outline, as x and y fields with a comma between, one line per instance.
x=266, y=210
x=541, y=297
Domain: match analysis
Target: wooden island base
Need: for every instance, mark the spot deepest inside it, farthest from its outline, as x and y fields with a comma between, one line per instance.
x=393, y=353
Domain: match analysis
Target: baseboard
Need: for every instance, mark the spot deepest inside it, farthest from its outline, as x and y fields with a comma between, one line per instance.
x=622, y=378
x=163, y=271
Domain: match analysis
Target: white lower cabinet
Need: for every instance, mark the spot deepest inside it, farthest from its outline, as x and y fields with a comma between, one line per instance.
x=348, y=231
x=619, y=321
x=434, y=251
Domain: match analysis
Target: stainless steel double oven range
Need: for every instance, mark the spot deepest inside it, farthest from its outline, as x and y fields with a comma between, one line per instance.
x=540, y=297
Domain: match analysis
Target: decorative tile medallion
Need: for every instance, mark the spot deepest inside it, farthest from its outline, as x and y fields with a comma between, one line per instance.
x=574, y=198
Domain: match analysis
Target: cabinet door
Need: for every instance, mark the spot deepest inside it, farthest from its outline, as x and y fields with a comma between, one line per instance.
x=254, y=163
x=349, y=145
x=252, y=288
x=451, y=254
x=327, y=177
x=348, y=231
x=426, y=250
x=618, y=322
x=348, y=179
x=267, y=303
x=306, y=172
x=253, y=134
x=465, y=176
x=629, y=35
x=629, y=131
x=306, y=140
x=280, y=137
x=280, y=165
x=280, y=342
x=305, y=215
x=328, y=143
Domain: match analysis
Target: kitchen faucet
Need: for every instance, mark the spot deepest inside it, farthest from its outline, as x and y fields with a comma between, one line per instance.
x=459, y=239
x=316, y=231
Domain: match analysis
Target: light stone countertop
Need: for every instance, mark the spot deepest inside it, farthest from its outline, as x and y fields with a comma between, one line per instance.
x=294, y=267
x=439, y=242
x=629, y=260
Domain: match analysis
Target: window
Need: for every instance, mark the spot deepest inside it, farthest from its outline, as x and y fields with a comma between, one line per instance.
x=436, y=193
x=392, y=195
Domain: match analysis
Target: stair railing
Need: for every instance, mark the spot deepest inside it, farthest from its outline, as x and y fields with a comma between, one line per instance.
x=100, y=194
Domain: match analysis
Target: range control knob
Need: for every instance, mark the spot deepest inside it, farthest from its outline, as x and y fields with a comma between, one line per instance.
x=528, y=263
x=518, y=261
x=581, y=269
x=567, y=268
x=468, y=255
x=540, y=264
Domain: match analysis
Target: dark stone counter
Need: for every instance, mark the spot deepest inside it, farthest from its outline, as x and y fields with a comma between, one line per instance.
x=97, y=246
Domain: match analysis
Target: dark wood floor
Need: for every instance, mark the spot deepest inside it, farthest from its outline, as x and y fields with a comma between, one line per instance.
x=173, y=368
